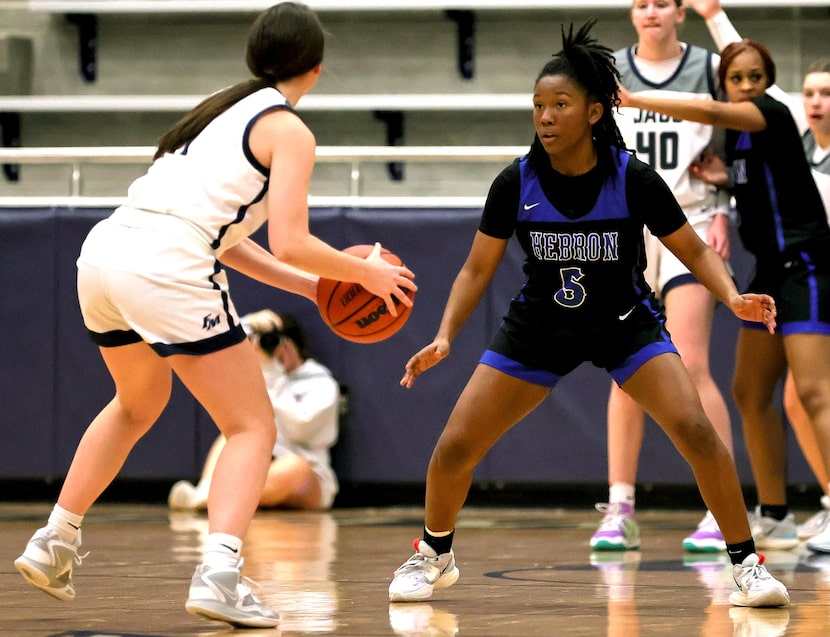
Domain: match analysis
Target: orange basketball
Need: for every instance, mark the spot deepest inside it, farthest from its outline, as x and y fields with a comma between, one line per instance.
x=354, y=313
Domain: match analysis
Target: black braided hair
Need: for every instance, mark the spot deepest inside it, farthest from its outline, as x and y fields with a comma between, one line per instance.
x=591, y=66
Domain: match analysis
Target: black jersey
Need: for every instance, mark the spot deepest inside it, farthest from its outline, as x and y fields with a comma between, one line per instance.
x=583, y=235
x=779, y=206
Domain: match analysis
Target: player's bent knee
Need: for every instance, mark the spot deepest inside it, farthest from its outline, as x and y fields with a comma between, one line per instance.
x=455, y=455
x=698, y=438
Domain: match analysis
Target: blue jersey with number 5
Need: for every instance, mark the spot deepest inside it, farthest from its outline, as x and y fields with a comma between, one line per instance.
x=586, y=268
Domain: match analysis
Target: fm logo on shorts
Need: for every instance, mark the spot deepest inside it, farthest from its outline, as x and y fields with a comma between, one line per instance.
x=209, y=322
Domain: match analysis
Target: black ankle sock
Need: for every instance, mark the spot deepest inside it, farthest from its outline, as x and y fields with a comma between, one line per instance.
x=441, y=544
x=739, y=552
x=775, y=511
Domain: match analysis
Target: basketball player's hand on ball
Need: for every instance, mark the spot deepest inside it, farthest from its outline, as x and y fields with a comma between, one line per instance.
x=759, y=308
x=429, y=356
x=388, y=281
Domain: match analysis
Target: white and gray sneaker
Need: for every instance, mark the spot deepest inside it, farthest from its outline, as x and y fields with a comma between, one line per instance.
x=820, y=543
x=222, y=594
x=425, y=571
x=756, y=587
x=772, y=534
x=817, y=522
x=47, y=563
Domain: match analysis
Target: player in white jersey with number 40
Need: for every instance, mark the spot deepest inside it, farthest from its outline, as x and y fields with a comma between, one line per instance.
x=659, y=61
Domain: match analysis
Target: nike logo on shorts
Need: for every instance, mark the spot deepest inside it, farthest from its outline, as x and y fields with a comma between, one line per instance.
x=627, y=314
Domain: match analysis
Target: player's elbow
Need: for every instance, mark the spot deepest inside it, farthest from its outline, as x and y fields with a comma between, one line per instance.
x=286, y=249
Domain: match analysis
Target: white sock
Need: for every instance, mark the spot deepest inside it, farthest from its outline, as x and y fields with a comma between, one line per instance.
x=437, y=533
x=222, y=551
x=621, y=492
x=65, y=523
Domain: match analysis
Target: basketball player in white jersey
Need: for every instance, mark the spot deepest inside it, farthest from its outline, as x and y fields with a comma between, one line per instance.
x=659, y=61
x=154, y=297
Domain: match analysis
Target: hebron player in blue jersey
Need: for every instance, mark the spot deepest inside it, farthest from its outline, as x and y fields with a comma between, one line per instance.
x=784, y=225
x=660, y=63
x=155, y=299
x=578, y=202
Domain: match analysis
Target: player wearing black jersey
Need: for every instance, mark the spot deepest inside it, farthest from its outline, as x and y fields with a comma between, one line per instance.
x=812, y=115
x=784, y=225
x=578, y=203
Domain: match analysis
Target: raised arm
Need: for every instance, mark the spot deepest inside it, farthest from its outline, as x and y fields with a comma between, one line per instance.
x=743, y=116
x=724, y=33
x=720, y=28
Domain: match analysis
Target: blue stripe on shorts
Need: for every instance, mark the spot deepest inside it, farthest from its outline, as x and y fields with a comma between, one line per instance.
x=517, y=370
x=805, y=327
x=791, y=327
x=638, y=359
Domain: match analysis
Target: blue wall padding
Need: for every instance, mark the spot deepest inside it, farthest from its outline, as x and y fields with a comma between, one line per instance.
x=53, y=380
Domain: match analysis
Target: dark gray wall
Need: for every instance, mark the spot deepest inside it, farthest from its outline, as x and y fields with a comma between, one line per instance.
x=52, y=380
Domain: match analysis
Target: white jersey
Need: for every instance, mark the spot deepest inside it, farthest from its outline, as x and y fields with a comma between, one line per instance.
x=151, y=268
x=819, y=160
x=213, y=181
x=667, y=144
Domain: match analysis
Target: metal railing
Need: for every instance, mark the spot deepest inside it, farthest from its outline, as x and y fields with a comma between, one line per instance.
x=354, y=156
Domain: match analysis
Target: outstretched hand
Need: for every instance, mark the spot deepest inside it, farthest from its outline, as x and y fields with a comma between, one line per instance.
x=428, y=357
x=759, y=308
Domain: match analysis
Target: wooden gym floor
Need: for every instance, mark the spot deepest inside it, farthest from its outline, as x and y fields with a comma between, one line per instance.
x=524, y=573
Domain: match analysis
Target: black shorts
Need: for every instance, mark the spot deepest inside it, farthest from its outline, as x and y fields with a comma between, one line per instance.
x=801, y=289
x=531, y=346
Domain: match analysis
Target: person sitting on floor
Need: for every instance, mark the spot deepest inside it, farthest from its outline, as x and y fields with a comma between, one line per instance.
x=306, y=400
